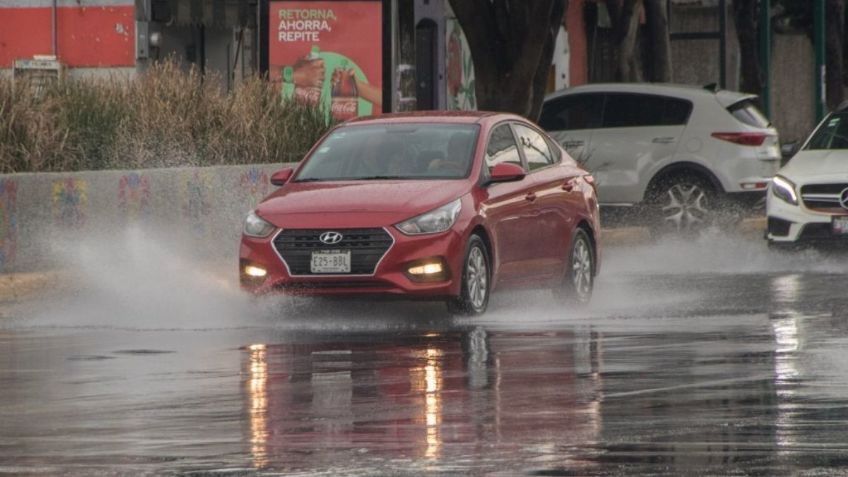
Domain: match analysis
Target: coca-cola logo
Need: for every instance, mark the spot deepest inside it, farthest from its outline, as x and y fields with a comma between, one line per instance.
x=308, y=95
x=344, y=107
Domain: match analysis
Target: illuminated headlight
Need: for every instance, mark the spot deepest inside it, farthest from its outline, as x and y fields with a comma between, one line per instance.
x=255, y=226
x=437, y=220
x=783, y=189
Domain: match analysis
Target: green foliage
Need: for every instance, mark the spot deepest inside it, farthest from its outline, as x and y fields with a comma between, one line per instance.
x=165, y=117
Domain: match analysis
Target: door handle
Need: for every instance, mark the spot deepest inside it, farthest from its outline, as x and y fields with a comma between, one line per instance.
x=571, y=144
x=530, y=197
x=663, y=140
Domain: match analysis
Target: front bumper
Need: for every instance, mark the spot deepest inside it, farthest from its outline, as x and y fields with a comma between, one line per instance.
x=390, y=277
x=789, y=224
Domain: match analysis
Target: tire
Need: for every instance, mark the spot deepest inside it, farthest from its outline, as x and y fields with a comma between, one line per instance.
x=476, y=280
x=578, y=281
x=682, y=204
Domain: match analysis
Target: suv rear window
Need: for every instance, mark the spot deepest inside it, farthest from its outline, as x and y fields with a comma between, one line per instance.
x=747, y=112
x=572, y=112
x=641, y=110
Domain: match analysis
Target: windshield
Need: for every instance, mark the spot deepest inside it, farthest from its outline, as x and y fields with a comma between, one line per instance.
x=832, y=134
x=395, y=151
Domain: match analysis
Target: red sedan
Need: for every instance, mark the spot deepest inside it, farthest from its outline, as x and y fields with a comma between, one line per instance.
x=446, y=206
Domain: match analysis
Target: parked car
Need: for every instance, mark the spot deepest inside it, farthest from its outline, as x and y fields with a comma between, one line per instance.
x=686, y=152
x=446, y=206
x=808, y=202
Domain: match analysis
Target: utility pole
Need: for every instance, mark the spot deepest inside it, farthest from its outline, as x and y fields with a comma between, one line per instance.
x=819, y=46
x=765, y=54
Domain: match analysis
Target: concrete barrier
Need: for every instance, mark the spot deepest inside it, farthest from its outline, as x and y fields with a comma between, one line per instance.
x=40, y=214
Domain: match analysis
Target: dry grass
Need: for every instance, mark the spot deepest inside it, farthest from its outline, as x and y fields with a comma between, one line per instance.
x=165, y=117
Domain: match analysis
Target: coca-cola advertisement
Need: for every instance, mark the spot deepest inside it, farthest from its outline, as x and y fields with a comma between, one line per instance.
x=328, y=54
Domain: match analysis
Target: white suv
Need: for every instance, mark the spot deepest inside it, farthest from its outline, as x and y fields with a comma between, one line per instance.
x=682, y=150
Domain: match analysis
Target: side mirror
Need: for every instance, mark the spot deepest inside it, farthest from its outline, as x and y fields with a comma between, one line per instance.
x=506, y=172
x=282, y=176
x=788, y=150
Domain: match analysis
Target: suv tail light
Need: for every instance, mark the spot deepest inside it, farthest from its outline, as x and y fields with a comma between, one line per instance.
x=742, y=138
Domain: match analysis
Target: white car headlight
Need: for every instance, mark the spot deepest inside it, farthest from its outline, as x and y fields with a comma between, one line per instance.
x=784, y=189
x=437, y=220
x=256, y=226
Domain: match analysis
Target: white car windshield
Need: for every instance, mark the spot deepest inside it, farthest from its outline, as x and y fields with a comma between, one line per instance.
x=393, y=151
x=833, y=133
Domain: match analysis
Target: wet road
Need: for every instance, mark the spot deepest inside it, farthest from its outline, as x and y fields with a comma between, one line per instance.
x=709, y=358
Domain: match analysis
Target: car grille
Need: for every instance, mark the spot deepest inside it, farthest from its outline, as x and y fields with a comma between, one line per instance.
x=367, y=247
x=823, y=197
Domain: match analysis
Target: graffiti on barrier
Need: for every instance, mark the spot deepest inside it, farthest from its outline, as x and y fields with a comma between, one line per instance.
x=8, y=222
x=196, y=207
x=134, y=196
x=254, y=185
x=70, y=201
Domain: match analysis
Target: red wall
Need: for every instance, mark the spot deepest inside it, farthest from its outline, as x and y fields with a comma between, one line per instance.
x=86, y=36
x=576, y=26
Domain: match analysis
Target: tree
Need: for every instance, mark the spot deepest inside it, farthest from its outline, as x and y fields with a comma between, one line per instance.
x=745, y=14
x=512, y=44
x=625, y=17
x=656, y=16
x=625, y=20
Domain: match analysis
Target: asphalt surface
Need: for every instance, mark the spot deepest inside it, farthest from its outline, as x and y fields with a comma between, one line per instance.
x=712, y=356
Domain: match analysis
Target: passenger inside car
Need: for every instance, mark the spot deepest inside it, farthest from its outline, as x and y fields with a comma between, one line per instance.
x=458, y=155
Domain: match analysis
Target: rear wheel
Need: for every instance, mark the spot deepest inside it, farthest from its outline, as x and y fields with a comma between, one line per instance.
x=476, y=280
x=683, y=204
x=579, y=280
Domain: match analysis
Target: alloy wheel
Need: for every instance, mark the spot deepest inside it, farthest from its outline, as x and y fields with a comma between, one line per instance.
x=477, y=278
x=581, y=270
x=686, y=207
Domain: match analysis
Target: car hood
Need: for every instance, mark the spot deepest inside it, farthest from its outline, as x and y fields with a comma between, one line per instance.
x=356, y=203
x=817, y=164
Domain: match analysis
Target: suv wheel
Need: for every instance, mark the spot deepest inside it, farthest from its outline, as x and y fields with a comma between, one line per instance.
x=683, y=204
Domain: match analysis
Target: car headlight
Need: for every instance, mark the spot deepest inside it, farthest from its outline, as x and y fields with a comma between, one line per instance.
x=437, y=220
x=256, y=226
x=784, y=189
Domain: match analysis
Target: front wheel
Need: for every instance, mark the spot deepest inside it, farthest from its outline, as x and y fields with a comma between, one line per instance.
x=579, y=280
x=476, y=281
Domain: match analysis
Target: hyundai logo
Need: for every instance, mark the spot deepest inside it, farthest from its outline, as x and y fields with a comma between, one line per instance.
x=843, y=198
x=330, y=238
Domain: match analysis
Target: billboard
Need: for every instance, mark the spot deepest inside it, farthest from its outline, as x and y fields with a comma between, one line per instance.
x=328, y=54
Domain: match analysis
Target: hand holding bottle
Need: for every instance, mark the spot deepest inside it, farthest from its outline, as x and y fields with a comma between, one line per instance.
x=309, y=72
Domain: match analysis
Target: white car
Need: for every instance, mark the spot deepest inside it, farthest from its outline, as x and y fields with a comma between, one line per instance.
x=687, y=152
x=808, y=199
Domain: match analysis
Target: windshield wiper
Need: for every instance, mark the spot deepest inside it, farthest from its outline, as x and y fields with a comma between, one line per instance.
x=310, y=179
x=377, y=178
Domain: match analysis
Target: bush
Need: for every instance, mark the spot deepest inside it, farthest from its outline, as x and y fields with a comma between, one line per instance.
x=164, y=117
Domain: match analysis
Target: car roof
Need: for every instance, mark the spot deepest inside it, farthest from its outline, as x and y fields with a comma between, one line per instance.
x=725, y=97
x=467, y=117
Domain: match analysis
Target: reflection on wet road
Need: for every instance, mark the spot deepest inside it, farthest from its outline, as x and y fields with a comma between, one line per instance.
x=730, y=366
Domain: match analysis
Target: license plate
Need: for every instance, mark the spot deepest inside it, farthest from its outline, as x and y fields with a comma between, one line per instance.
x=840, y=225
x=330, y=261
